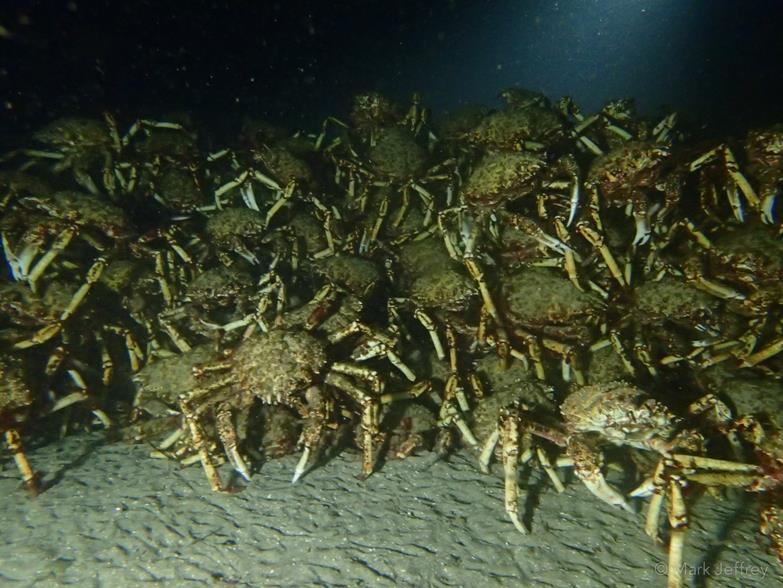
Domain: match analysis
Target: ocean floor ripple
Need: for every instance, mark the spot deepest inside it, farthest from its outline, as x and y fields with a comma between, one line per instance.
x=112, y=516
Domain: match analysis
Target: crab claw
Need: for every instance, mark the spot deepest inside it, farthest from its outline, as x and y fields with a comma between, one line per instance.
x=642, y=230
x=238, y=463
x=574, y=201
x=767, y=206
x=301, y=466
x=601, y=489
x=587, y=467
x=645, y=489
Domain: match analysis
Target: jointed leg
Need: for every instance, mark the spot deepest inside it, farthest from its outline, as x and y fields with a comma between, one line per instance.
x=371, y=434
x=29, y=476
x=228, y=437
x=509, y=434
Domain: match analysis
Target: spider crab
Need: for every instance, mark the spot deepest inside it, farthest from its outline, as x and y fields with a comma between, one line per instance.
x=626, y=177
x=619, y=413
x=496, y=181
x=289, y=365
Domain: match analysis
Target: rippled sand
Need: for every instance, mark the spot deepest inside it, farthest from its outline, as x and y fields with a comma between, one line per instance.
x=114, y=517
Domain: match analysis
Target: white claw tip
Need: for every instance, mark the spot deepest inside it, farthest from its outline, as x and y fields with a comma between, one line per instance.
x=301, y=466
x=518, y=524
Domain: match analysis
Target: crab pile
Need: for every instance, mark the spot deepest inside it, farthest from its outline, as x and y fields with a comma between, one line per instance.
x=530, y=282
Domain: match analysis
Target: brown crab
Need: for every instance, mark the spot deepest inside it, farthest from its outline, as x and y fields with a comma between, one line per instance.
x=668, y=320
x=768, y=448
x=626, y=177
x=544, y=310
x=236, y=230
x=512, y=396
x=675, y=471
x=371, y=111
x=497, y=180
x=525, y=125
x=290, y=366
x=746, y=259
x=180, y=190
x=15, y=185
x=81, y=145
x=764, y=151
x=169, y=141
x=213, y=299
x=65, y=357
x=719, y=174
x=286, y=175
x=155, y=409
x=395, y=168
x=619, y=413
x=49, y=223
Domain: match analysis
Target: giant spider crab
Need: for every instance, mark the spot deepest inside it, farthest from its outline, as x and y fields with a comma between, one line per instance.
x=498, y=180
x=290, y=365
x=619, y=413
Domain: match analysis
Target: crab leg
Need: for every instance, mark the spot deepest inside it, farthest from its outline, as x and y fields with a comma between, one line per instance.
x=768, y=206
x=429, y=324
x=716, y=289
x=574, y=202
x=171, y=439
x=29, y=477
x=59, y=245
x=49, y=331
x=619, y=349
x=531, y=228
x=735, y=203
x=370, y=417
x=587, y=466
x=741, y=181
x=533, y=349
x=406, y=201
x=763, y=354
x=18, y=269
x=569, y=256
x=509, y=433
x=383, y=210
x=317, y=412
x=569, y=358
x=143, y=122
x=453, y=386
x=678, y=521
x=228, y=437
x=283, y=197
x=191, y=414
x=710, y=463
x=449, y=414
x=478, y=276
x=419, y=388
x=597, y=241
x=488, y=450
x=249, y=196
x=376, y=344
x=238, y=181
x=641, y=216
x=428, y=200
x=546, y=464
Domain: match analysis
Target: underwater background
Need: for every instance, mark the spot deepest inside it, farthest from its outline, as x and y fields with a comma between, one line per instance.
x=373, y=293
x=298, y=62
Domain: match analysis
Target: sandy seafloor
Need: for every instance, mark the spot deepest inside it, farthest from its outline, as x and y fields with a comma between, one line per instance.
x=115, y=517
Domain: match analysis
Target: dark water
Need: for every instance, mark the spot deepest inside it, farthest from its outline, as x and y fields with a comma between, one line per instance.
x=693, y=305
x=297, y=62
